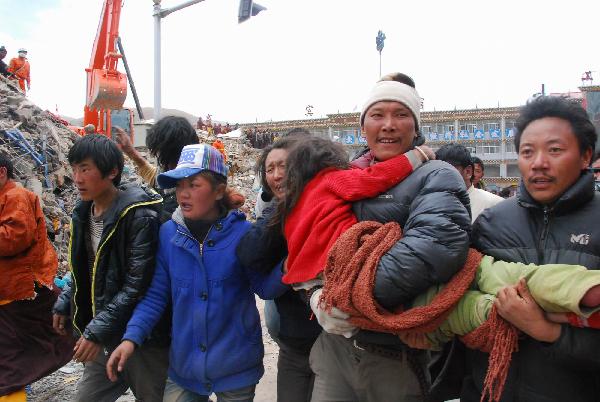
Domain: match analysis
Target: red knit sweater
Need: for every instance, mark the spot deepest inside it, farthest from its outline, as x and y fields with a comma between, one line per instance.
x=324, y=212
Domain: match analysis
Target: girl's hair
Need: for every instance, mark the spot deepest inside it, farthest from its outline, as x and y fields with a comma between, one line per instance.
x=274, y=240
x=308, y=156
x=231, y=199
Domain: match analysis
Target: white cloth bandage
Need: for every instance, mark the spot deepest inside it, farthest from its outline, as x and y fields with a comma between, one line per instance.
x=396, y=92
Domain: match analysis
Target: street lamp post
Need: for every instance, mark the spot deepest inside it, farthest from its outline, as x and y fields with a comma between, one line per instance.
x=159, y=13
x=247, y=9
x=156, y=14
x=379, y=41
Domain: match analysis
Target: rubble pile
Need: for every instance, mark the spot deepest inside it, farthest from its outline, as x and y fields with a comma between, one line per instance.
x=38, y=147
x=38, y=144
x=241, y=159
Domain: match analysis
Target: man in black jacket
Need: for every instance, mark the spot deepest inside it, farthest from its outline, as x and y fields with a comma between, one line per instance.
x=3, y=66
x=432, y=206
x=114, y=232
x=164, y=140
x=552, y=220
x=596, y=169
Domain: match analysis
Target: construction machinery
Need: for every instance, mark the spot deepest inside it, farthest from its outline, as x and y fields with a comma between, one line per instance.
x=106, y=86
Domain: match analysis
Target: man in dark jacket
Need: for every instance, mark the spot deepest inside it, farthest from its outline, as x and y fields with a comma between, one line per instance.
x=164, y=140
x=552, y=220
x=296, y=332
x=113, y=241
x=432, y=206
x=3, y=66
x=596, y=169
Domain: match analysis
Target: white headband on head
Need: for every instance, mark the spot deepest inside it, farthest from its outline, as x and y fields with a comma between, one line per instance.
x=396, y=92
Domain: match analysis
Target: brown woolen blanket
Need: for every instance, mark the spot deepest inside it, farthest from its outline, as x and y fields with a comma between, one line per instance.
x=349, y=281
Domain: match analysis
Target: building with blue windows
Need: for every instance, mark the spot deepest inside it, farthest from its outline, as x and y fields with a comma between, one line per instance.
x=487, y=133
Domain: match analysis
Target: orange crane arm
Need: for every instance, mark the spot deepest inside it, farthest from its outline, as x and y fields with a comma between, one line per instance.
x=106, y=87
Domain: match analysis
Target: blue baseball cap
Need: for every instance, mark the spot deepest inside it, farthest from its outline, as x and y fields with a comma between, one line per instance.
x=194, y=159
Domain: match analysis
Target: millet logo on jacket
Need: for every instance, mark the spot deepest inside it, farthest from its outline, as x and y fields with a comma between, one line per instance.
x=582, y=239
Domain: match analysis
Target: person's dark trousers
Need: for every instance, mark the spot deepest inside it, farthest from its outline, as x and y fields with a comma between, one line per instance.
x=272, y=320
x=295, y=379
x=447, y=369
x=29, y=347
x=145, y=373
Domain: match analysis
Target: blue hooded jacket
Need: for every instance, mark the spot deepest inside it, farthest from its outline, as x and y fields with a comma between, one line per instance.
x=216, y=334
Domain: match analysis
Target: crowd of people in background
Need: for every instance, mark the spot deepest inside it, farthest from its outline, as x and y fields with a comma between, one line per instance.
x=394, y=276
x=214, y=128
x=260, y=138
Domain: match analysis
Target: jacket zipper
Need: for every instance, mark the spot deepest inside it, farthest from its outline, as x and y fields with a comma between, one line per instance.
x=200, y=244
x=97, y=257
x=544, y=235
x=74, y=284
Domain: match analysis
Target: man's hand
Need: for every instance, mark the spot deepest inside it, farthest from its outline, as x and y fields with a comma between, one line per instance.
x=335, y=322
x=516, y=305
x=122, y=138
x=561, y=318
x=85, y=350
x=58, y=323
x=119, y=358
x=284, y=267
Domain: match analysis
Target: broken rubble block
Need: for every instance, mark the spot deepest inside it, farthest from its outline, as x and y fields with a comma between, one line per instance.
x=49, y=140
x=52, y=139
x=24, y=115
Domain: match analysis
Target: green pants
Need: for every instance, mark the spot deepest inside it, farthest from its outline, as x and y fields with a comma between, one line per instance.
x=557, y=288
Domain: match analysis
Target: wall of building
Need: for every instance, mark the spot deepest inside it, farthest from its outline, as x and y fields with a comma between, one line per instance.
x=487, y=133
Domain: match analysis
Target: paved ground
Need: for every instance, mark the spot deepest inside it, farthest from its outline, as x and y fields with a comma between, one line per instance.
x=60, y=386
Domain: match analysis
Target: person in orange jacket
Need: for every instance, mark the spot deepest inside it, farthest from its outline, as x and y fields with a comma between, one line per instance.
x=20, y=70
x=221, y=147
x=29, y=348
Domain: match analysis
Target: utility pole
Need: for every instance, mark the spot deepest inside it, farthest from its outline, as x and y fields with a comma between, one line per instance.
x=158, y=14
x=247, y=9
x=379, y=42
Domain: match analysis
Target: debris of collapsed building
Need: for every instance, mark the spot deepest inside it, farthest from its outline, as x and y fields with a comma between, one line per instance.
x=241, y=158
x=38, y=142
x=38, y=147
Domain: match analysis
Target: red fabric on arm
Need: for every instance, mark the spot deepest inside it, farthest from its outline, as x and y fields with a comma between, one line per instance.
x=358, y=184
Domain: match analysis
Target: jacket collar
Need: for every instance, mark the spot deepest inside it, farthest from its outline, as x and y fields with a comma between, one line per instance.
x=577, y=195
x=232, y=216
x=178, y=217
x=9, y=185
x=363, y=160
x=129, y=195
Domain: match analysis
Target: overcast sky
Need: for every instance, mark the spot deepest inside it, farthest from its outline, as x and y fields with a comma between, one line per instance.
x=320, y=53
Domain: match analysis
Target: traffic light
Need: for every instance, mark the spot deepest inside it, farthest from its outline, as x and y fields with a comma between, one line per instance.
x=248, y=9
